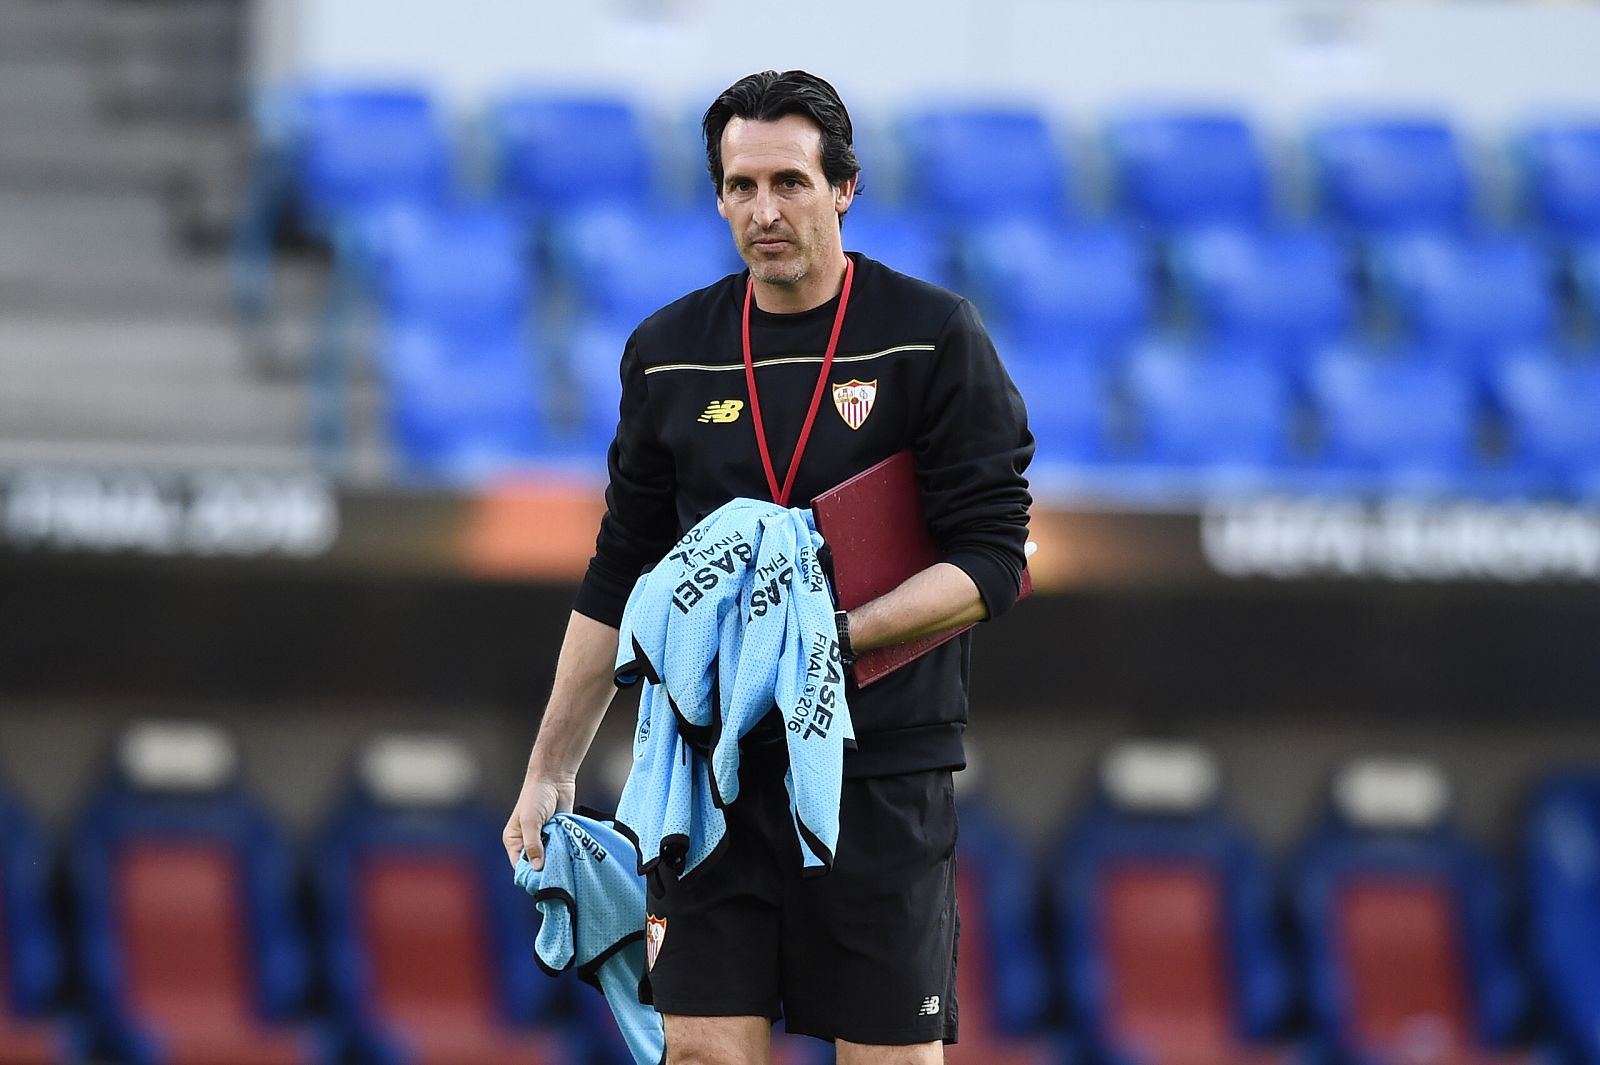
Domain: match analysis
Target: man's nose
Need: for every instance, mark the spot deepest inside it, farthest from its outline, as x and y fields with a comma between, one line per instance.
x=766, y=208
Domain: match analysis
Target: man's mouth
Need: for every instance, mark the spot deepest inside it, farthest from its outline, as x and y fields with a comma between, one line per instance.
x=769, y=244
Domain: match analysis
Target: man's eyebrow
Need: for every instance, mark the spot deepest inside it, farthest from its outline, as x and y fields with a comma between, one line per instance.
x=793, y=173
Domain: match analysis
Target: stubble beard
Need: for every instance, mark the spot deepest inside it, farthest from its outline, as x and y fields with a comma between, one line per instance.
x=782, y=272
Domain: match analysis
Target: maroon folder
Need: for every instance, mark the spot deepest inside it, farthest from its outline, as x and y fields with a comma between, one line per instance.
x=875, y=530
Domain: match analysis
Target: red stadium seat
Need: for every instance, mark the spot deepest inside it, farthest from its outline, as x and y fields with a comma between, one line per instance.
x=1405, y=963
x=1171, y=953
x=982, y=1041
x=185, y=940
x=1162, y=949
x=429, y=942
x=1170, y=1003
x=1403, y=927
x=432, y=966
x=1406, y=973
x=189, y=943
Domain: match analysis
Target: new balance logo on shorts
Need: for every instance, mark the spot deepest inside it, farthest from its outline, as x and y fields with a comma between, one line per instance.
x=930, y=1007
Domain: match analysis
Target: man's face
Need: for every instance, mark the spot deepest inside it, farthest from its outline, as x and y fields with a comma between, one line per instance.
x=783, y=213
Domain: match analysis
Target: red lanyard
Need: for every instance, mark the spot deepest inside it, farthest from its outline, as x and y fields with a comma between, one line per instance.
x=781, y=496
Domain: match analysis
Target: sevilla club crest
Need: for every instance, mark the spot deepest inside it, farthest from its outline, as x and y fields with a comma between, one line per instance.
x=655, y=933
x=854, y=401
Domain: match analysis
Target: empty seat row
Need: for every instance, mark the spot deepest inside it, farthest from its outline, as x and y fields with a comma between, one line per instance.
x=1185, y=417
x=190, y=947
x=479, y=379
x=1151, y=934
x=336, y=155
x=510, y=359
x=1400, y=945
x=345, y=147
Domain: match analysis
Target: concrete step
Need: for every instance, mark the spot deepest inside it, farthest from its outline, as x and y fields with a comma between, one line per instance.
x=366, y=465
x=111, y=291
x=71, y=353
x=46, y=90
x=152, y=381
x=115, y=158
x=166, y=410
x=98, y=255
x=37, y=222
x=154, y=456
x=265, y=434
x=153, y=410
x=176, y=59
x=177, y=32
x=31, y=29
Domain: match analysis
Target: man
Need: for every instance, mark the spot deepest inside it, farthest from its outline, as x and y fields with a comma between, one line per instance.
x=721, y=399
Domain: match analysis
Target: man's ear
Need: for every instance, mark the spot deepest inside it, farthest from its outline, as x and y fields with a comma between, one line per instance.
x=722, y=208
x=844, y=194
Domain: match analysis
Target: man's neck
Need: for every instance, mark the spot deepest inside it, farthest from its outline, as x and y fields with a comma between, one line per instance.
x=810, y=292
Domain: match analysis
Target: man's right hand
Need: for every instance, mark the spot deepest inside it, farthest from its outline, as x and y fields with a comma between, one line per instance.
x=541, y=799
x=582, y=690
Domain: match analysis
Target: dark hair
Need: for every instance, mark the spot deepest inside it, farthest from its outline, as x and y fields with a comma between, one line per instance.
x=769, y=96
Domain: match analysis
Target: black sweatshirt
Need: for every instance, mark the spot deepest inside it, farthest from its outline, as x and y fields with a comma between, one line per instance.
x=686, y=444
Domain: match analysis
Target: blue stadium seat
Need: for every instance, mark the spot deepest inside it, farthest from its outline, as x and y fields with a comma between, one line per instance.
x=466, y=267
x=1288, y=289
x=1560, y=844
x=562, y=152
x=1561, y=171
x=1223, y=409
x=597, y=255
x=1404, y=926
x=1068, y=396
x=1167, y=920
x=613, y=289
x=1394, y=422
x=31, y=961
x=593, y=352
x=969, y=164
x=461, y=410
x=1003, y=984
x=1386, y=174
x=1071, y=284
x=907, y=241
x=1551, y=404
x=364, y=147
x=329, y=155
x=429, y=943
x=454, y=348
x=1586, y=272
x=1182, y=168
x=191, y=950
x=1469, y=295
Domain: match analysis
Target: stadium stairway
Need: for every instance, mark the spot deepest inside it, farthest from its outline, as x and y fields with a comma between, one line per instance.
x=123, y=147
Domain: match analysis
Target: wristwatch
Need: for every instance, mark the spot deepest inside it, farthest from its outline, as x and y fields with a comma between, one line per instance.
x=841, y=621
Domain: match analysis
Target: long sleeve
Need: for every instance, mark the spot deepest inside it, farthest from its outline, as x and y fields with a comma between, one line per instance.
x=640, y=522
x=972, y=448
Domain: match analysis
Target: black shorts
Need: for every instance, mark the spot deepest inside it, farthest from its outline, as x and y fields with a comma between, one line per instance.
x=865, y=953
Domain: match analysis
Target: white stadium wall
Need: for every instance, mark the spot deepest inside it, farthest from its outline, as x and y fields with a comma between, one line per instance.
x=1485, y=64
